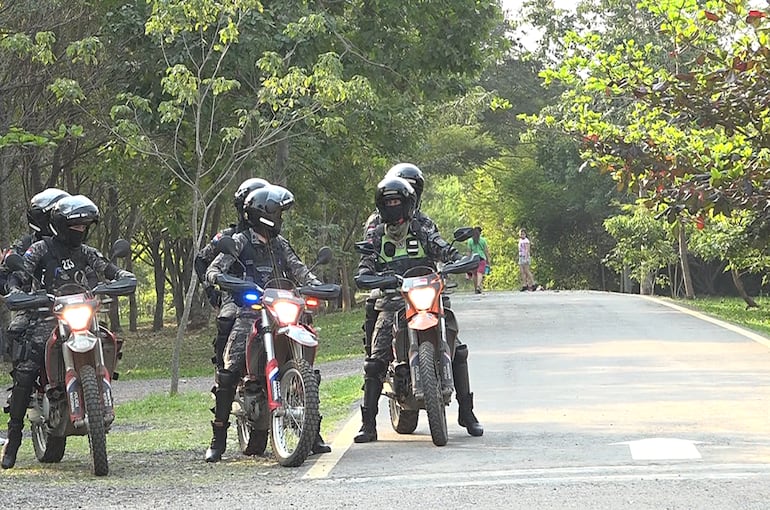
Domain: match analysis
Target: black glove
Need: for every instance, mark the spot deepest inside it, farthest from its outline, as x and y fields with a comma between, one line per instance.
x=453, y=254
x=315, y=282
x=214, y=296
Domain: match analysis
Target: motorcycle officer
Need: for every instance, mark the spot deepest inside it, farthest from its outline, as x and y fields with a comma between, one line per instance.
x=413, y=175
x=55, y=261
x=227, y=308
x=38, y=218
x=403, y=241
x=265, y=254
x=226, y=314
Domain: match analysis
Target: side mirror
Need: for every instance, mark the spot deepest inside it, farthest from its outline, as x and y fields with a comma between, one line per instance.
x=463, y=234
x=225, y=244
x=120, y=249
x=324, y=255
x=14, y=262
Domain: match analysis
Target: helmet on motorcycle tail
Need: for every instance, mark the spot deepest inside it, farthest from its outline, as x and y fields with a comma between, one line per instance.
x=38, y=213
x=263, y=208
x=411, y=174
x=243, y=191
x=72, y=217
x=396, y=200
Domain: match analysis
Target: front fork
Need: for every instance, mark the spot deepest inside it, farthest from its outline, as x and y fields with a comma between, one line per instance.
x=75, y=389
x=447, y=381
x=271, y=364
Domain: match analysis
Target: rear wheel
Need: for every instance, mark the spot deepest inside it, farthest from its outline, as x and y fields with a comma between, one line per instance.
x=295, y=425
x=434, y=401
x=404, y=421
x=48, y=448
x=97, y=434
x=252, y=441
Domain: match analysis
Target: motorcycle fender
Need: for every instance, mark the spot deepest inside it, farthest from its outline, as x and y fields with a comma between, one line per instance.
x=82, y=342
x=299, y=335
x=422, y=321
x=74, y=397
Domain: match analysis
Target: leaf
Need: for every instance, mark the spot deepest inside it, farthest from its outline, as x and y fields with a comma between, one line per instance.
x=710, y=16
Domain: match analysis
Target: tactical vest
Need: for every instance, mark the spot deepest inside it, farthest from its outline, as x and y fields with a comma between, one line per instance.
x=61, y=265
x=259, y=259
x=404, y=255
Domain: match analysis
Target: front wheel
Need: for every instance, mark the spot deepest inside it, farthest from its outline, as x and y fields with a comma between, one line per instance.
x=434, y=401
x=97, y=434
x=296, y=423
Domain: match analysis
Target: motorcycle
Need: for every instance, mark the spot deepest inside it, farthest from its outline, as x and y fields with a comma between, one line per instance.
x=73, y=394
x=424, y=340
x=277, y=396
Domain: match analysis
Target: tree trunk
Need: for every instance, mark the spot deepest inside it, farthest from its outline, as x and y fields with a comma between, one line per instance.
x=750, y=303
x=684, y=258
x=281, y=161
x=160, y=284
x=112, y=236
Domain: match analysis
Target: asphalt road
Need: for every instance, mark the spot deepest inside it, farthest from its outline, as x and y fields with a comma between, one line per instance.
x=589, y=400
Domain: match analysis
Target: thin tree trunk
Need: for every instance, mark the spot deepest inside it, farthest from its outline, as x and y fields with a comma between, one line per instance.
x=750, y=303
x=689, y=292
x=160, y=284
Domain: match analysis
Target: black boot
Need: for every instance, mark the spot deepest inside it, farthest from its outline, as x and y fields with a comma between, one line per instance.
x=372, y=390
x=17, y=409
x=224, y=393
x=218, y=441
x=320, y=446
x=465, y=417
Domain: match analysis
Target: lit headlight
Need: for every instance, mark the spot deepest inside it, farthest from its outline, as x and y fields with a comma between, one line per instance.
x=286, y=311
x=78, y=317
x=422, y=297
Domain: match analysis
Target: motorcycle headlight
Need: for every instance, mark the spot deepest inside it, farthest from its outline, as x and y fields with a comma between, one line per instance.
x=78, y=317
x=422, y=297
x=286, y=312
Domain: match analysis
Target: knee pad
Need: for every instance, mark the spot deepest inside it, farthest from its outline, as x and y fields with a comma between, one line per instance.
x=24, y=376
x=374, y=367
x=226, y=379
x=461, y=354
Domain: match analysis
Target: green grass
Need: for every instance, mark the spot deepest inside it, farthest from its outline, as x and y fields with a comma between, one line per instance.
x=160, y=423
x=734, y=310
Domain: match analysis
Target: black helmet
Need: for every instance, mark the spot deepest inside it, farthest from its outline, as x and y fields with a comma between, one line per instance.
x=70, y=212
x=39, y=210
x=411, y=174
x=395, y=188
x=243, y=191
x=263, y=207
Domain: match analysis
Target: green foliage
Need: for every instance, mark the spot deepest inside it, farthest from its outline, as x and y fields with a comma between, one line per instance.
x=644, y=244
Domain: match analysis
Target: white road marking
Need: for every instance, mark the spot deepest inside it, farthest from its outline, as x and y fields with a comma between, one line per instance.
x=662, y=448
x=556, y=475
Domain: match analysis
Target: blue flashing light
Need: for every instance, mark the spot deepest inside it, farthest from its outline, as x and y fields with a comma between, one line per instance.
x=251, y=297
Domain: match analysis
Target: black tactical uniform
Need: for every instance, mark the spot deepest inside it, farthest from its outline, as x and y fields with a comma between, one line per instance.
x=264, y=254
x=54, y=262
x=405, y=242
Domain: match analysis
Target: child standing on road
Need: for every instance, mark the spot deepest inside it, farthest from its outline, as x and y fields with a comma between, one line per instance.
x=478, y=244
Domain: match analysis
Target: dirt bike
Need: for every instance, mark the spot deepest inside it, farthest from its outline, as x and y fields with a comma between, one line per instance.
x=425, y=333
x=73, y=395
x=277, y=396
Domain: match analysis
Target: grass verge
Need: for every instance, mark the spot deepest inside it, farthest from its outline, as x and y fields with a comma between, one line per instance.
x=733, y=310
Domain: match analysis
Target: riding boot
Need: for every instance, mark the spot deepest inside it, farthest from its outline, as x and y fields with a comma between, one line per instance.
x=465, y=417
x=372, y=390
x=17, y=410
x=319, y=445
x=224, y=401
